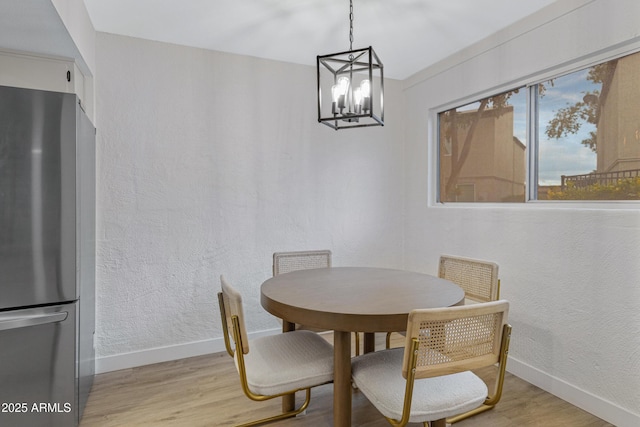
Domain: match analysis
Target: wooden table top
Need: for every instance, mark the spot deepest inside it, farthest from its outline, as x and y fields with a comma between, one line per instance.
x=358, y=299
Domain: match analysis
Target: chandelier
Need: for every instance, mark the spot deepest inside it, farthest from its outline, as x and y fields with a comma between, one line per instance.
x=350, y=86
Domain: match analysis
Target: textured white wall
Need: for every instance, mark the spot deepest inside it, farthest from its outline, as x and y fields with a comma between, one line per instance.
x=207, y=164
x=571, y=272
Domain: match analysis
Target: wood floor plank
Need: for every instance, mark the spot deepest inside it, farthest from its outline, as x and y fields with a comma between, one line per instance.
x=205, y=391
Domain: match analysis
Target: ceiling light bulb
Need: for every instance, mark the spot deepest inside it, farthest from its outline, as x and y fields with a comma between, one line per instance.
x=357, y=100
x=335, y=93
x=343, y=84
x=365, y=87
x=342, y=88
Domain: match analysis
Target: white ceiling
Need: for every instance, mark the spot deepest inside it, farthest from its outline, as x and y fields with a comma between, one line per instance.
x=34, y=26
x=407, y=35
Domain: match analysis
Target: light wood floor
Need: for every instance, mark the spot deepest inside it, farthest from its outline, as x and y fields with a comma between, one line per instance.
x=205, y=391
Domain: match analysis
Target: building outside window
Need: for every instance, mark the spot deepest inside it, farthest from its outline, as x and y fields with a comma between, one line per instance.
x=586, y=131
x=482, y=150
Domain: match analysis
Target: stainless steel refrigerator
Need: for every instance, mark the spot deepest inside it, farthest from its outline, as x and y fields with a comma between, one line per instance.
x=47, y=258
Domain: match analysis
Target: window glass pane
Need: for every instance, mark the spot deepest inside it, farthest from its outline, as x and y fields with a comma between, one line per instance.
x=589, y=133
x=482, y=150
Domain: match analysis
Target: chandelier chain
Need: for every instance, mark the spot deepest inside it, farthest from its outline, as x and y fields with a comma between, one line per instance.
x=350, y=24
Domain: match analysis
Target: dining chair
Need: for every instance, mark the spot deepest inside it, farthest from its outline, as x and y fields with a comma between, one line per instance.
x=285, y=262
x=275, y=365
x=480, y=282
x=477, y=278
x=430, y=378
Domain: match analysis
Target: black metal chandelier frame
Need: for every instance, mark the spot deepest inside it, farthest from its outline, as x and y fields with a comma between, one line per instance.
x=345, y=105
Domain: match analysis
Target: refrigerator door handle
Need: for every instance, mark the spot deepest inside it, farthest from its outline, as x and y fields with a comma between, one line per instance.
x=15, y=322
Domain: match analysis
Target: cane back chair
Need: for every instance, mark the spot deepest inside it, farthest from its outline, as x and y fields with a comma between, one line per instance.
x=478, y=279
x=274, y=365
x=430, y=379
x=285, y=262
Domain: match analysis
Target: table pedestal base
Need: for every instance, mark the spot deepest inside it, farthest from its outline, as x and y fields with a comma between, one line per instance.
x=342, y=379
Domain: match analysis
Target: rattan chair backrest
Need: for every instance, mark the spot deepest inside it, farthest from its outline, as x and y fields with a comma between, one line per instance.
x=233, y=307
x=284, y=262
x=478, y=279
x=455, y=339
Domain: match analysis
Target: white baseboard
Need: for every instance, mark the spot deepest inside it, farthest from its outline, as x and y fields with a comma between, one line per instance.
x=166, y=354
x=608, y=411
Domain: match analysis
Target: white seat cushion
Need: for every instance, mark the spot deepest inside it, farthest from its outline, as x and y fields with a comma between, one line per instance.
x=288, y=361
x=379, y=376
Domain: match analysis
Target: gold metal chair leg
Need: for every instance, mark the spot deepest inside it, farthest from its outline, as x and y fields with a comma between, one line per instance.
x=282, y=416
x=493, y=400
x=470, y=413
x=260, y=398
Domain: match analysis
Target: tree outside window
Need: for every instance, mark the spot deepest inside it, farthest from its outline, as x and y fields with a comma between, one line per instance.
x=587, y=134
x=482, y=150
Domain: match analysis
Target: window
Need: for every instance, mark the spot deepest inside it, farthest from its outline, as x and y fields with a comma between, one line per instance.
x=482, y=150
x=589, y=133
x=587, y=136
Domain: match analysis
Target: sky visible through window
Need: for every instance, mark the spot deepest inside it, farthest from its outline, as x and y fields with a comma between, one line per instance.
x=566, y=155
x=562, y=156
x=586, y=132
x=556, y=156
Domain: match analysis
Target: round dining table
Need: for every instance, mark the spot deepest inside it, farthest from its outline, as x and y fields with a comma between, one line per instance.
x=352, y=299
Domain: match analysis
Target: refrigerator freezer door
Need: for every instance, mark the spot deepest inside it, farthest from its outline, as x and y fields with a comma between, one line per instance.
x=37, y=197
x=85, y=253
x=38, y=368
